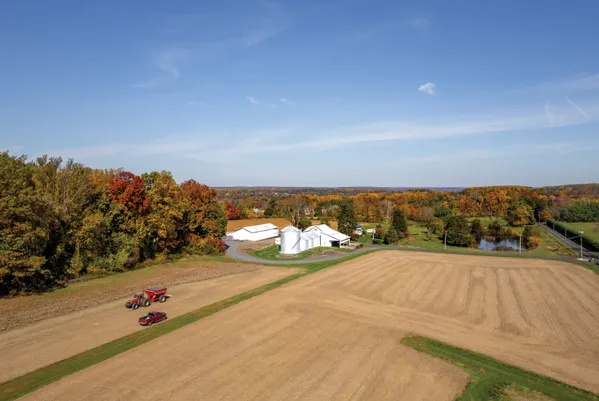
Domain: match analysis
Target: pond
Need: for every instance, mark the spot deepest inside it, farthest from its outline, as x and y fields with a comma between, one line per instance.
x=510, y=244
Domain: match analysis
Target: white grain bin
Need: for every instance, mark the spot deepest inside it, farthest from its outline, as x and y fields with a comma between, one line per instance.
x=313, y=240
x=290, y=240
x=305, y=242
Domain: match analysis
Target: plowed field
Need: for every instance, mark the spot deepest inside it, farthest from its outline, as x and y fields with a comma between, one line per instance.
x=335, y=334
x=51, y=340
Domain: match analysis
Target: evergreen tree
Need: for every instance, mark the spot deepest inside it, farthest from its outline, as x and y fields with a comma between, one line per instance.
x=458, y=231
x=391, y=236
x=346, y=217
x=399, y=222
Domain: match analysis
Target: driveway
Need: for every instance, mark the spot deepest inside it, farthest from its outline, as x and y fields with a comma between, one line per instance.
x=234, y=252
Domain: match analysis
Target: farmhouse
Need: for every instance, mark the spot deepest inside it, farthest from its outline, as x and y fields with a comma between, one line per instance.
x=255, y=233
x=294, y=241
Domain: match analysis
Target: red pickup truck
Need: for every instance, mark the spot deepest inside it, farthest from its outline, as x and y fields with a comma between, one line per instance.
x=151, y=318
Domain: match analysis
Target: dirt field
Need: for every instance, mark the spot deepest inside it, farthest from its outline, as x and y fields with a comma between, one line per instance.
x=335, y=334
x=16, y=312
x=233, y=225
x=51, y=340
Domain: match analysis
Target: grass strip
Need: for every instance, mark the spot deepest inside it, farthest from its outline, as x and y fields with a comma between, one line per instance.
x=32, y=381
x=271, y=252
x=490, y=378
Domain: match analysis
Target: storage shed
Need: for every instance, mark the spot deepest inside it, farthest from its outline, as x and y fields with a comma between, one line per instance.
x=255, y=233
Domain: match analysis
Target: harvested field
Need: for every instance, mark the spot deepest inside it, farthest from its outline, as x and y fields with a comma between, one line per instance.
x=233, y=225
x=51, y=340
x=335, y=334
x=19, y=311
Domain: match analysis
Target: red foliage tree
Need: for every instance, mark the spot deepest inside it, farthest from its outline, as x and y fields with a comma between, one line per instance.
x=232, y=212
x=129, y=190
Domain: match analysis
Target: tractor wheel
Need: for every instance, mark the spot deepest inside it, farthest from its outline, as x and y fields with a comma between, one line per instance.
x=135, y=306
x=162, y=298
x=146, y=302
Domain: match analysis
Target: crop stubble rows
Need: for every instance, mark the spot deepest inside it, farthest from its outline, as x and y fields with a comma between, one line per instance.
x=335, y=334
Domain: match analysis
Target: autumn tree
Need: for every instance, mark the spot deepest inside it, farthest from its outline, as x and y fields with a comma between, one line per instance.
x=294, y=209
x=232, y=212
x=519, y=214
x=205, y=216
x=346, y=217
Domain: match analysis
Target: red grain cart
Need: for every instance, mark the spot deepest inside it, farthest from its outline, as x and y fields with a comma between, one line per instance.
x=154, y=294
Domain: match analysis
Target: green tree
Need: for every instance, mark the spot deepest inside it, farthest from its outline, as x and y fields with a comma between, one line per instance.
x=391, y=236
x=399, y=222
x=458, y=231
x=477, y=230
x=346, y=217
x=26, y=221
x=271, y=208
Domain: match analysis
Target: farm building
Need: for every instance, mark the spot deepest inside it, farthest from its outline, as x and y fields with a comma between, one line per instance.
x=255, y=233
x=328, y=236
x=294, y=241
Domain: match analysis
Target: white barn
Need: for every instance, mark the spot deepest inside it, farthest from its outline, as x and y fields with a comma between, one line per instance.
x=255, y=233
x=327, y=236
x=294, y=241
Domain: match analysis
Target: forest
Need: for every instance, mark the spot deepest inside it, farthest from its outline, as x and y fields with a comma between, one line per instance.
x=60, y=220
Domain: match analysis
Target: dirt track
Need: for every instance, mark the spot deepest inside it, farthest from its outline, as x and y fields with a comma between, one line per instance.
x=19, y=311
x=51, y=340
x=335, y=334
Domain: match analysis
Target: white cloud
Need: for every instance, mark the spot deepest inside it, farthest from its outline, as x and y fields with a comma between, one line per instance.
x=580, y=110
x=422, y=23
x=285, y=101
x=200, y=147
x=252, y=100
x=428, y=87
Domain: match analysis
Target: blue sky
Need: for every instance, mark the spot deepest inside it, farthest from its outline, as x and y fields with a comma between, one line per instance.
x=307, y=93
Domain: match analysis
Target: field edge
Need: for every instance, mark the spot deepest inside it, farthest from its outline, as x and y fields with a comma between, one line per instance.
x=489, y=377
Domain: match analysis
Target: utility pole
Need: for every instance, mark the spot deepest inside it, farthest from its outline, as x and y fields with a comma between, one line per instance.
x=520, y=245
x=581, y=232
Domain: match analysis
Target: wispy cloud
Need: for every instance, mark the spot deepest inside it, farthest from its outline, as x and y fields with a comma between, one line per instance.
x=576, y=83
x=167, y=60
x=286, y=101
x=513, y=150
x=254, y=38
x=253, y=101
x=256, y=102
x=549, y=114
x=420, y=23
x=428, y=87
x=580, y=110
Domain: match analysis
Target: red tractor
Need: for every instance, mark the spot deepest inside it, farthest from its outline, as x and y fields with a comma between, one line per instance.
x=154, y=294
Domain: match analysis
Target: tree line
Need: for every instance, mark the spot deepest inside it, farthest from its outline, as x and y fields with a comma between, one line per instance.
x=61, y=220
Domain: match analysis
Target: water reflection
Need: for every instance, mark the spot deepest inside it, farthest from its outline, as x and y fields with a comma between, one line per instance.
x=510, y=244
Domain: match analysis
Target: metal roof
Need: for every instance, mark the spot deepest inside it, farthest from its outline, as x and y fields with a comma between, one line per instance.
x=326, y=230
x=290, y=228
x=259, y=228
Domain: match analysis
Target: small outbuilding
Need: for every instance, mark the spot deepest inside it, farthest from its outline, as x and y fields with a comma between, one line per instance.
x=255, y=233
